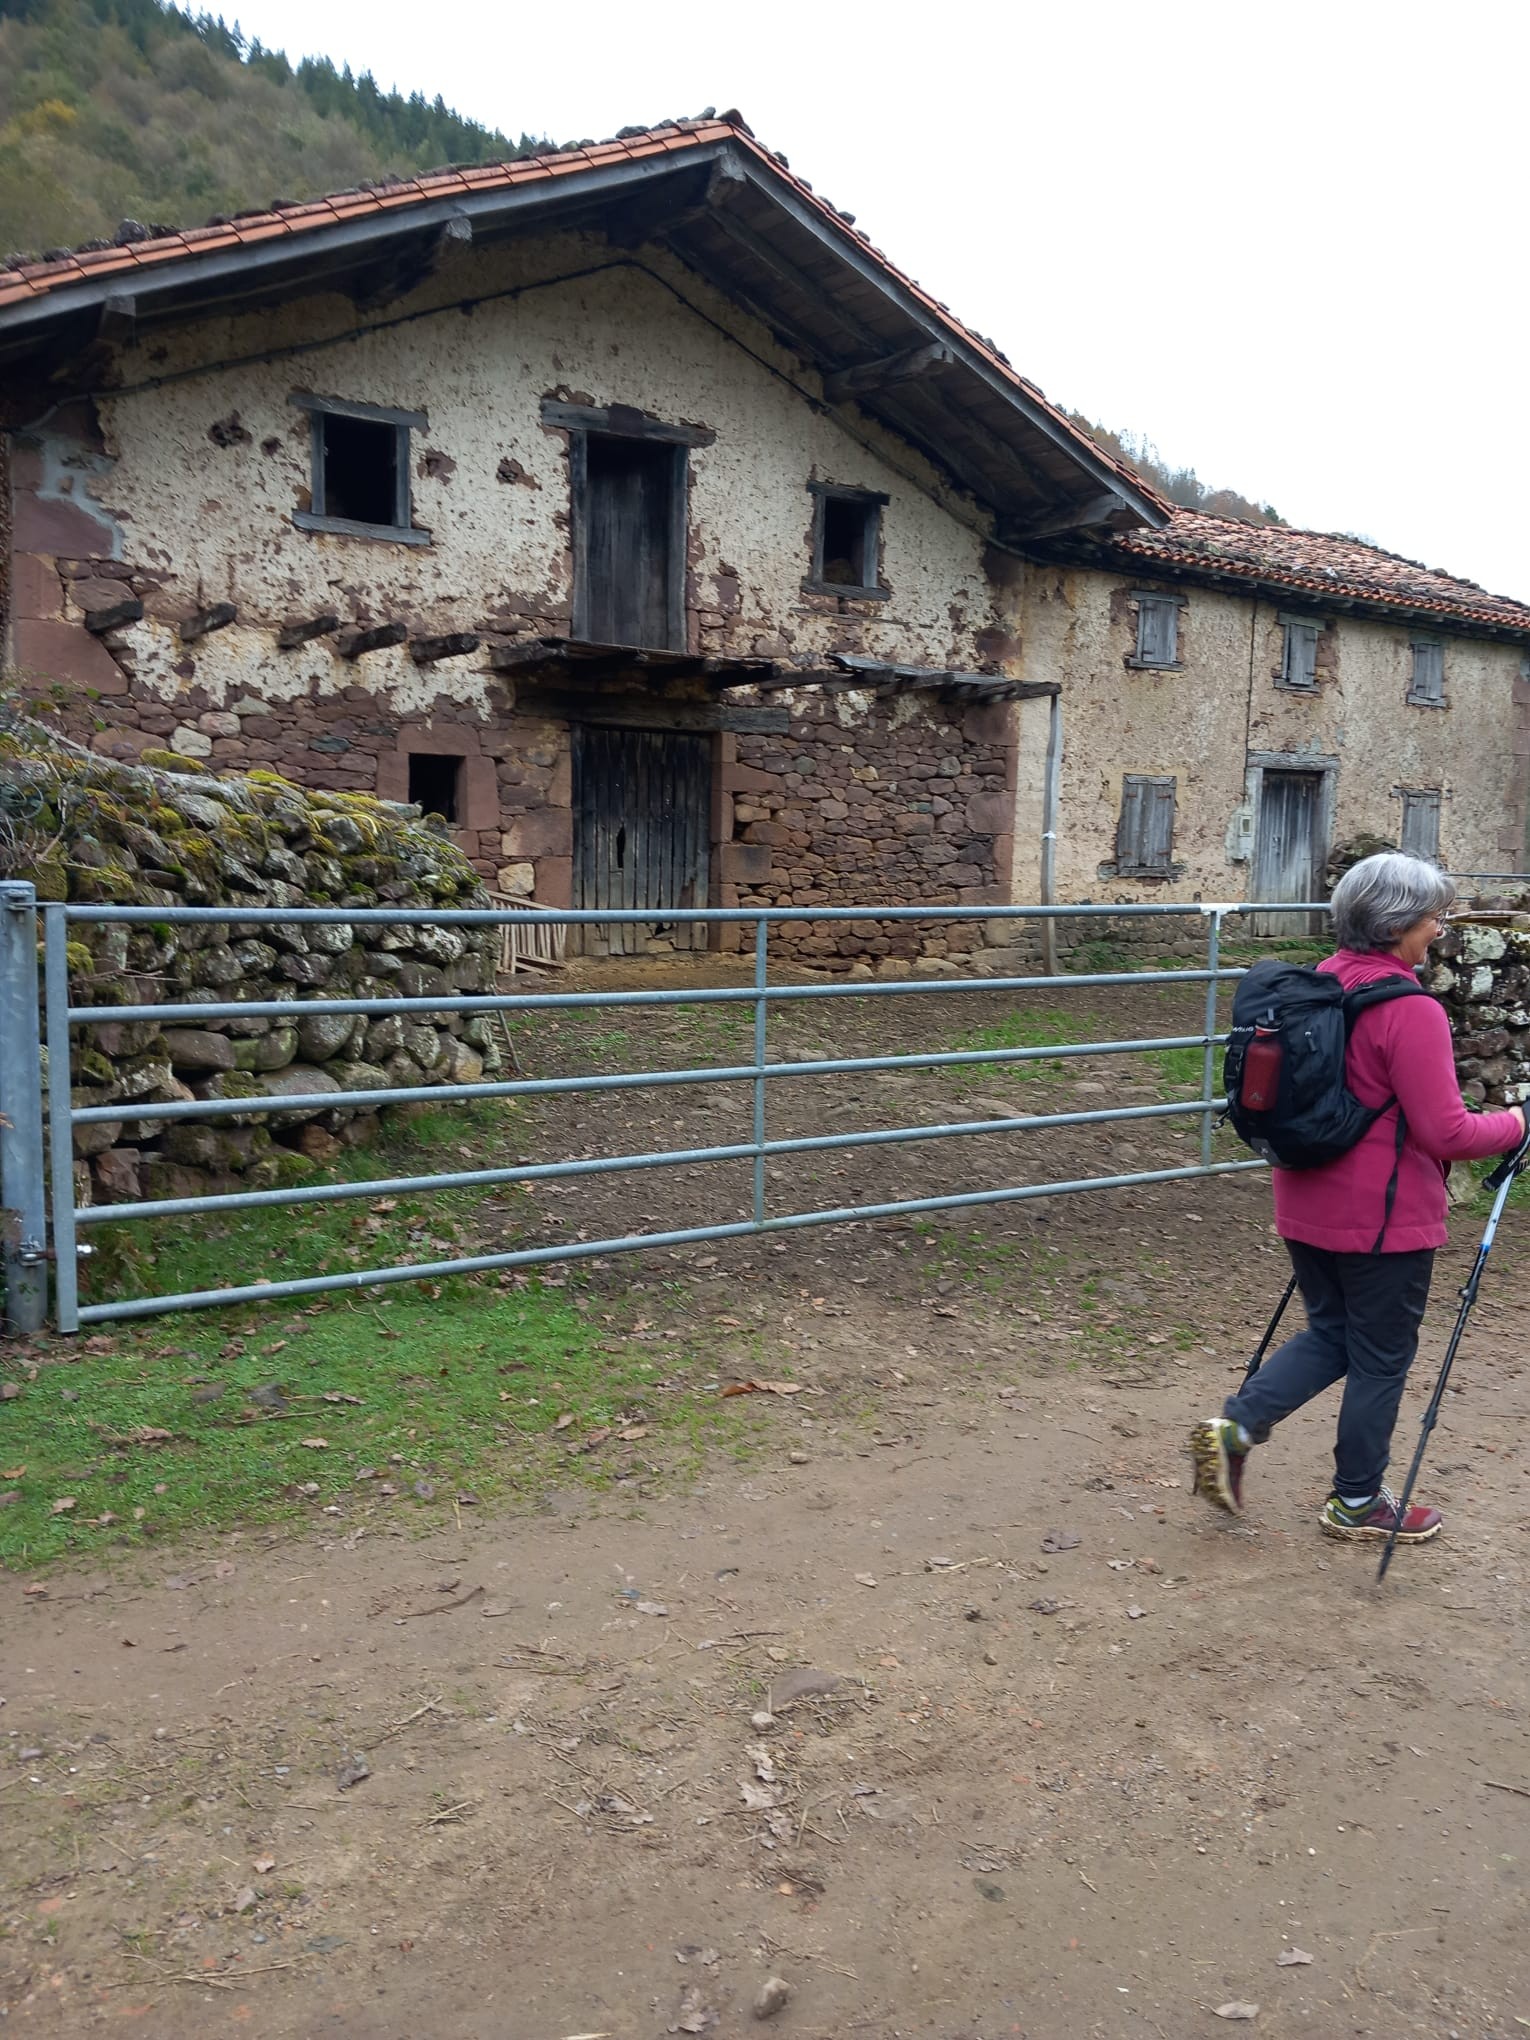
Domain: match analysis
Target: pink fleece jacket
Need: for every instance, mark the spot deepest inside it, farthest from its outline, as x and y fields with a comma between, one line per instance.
x=1401, y=1050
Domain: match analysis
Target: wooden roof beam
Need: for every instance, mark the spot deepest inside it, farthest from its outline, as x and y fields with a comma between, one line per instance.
x=846, y=384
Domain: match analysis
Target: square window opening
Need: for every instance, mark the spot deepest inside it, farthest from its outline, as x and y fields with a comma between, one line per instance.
x=361, y=475
x=435, y=785
x=848, y=544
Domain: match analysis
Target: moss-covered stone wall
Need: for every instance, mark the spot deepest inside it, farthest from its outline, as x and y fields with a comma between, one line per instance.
x=157, y=834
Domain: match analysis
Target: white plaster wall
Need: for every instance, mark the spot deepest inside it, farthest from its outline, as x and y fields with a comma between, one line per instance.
x=217, y=520
x=1200, y=723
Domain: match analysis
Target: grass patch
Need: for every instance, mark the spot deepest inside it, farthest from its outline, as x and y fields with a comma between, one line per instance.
x=1037, y=1027
x=488, y=1384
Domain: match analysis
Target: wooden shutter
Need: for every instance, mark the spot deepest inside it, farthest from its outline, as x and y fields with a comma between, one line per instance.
x=1428, y=672
x=1129, y=828
x=1301, y=655
x=1421, y=824
x=1145, y=832
x=1157, y=630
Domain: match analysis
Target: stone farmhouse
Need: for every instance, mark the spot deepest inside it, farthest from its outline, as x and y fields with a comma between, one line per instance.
x=627, y=508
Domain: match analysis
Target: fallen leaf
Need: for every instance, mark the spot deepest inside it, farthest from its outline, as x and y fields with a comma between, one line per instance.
x=1289, y=1958
x=263, y=1864
x=758, y=1797
x=1237, y=2010
x=866, y=1579
x=564, y=1421
x=315, y=1444
x=386, y=1204
x=63, y=1505
x=335, y=1395
x=9, y=1390
x=11, y=1472
x=633, y=1431
x=352, y=1772
x=651, y=1608
x=1061, y=1540
x=245, y=1899
x=753, y=1387
x=146, y=1434
x=36, y=1592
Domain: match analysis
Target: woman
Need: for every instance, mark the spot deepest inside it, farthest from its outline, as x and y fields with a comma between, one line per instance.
x=1364, y=1302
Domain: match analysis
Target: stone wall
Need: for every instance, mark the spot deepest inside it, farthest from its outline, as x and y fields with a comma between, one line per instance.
x=1482, y=977
x=901, y=801
x=93, y=830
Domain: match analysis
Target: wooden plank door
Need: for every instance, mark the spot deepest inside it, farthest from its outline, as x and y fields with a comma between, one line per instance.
x=1287, y=854
x=629, y=514
x=642, y=826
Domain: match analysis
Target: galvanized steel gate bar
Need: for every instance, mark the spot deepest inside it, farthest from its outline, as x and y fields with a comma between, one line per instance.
x=68, y=1219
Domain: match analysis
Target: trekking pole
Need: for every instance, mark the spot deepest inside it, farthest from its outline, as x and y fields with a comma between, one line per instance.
x=1501, y=1180
x=1269, y=1332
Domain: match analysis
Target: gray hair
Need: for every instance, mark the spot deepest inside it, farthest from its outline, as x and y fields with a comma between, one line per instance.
x=1380, y=897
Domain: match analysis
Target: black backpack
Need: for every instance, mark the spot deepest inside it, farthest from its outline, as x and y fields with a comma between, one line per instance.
x=1285, y=1053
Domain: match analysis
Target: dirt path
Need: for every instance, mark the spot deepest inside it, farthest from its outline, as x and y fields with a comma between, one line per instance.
x=1025, y=1809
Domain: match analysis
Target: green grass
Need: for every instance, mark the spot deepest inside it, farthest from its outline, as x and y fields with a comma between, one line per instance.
x=456, y=1385
x=1036, y=1027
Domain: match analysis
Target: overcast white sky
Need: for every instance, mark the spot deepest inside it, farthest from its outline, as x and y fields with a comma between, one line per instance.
x=1287, y=242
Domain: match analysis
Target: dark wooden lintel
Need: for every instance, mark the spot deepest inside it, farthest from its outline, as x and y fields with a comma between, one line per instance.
x=301, y=631
x=425, y=651
x=622, y=421
x=640, y=712
x=848, y=383
x=216, y=616
x=353, y=643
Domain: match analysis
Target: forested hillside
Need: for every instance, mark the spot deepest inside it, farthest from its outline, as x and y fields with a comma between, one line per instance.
x=127, y=109
x=1181, y=485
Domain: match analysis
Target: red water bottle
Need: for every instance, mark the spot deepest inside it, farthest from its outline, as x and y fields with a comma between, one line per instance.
x=1260, y=1087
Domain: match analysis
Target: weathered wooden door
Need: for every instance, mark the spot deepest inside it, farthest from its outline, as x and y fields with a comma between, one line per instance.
x=642, y=814
x=1288, y=857
x=629, y=510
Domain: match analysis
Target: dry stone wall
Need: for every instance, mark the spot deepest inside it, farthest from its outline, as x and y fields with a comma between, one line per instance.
x=1481, y=974
x=88, y=829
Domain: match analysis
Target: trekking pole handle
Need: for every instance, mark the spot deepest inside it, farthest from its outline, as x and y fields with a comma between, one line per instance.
x=1510, y=1166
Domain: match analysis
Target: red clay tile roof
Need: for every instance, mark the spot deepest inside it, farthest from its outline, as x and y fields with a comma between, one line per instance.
x=35, y=280
x=1318, y=563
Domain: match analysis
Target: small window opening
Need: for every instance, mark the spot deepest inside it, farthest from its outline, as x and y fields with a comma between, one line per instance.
x=845, y=538
x=847, y=534
x=360, y=469
x=621, y=847
x=435, y=785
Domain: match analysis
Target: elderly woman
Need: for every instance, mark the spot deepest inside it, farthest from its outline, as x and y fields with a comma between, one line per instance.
x=1364, y=1300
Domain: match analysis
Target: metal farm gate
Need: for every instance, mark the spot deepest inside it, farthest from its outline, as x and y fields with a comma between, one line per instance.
x=43, y=1225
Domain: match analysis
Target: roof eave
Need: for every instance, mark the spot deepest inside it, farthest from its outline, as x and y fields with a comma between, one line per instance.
x=1291, y=594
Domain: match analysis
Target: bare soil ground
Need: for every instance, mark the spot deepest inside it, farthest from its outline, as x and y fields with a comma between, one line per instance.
x=1096, y=1759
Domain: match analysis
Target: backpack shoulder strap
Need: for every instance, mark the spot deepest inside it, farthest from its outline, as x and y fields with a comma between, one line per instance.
x=1381, y=993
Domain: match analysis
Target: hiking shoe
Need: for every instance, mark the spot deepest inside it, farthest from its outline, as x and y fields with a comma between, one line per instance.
x=1378, y=1518
x=1219, y=1454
